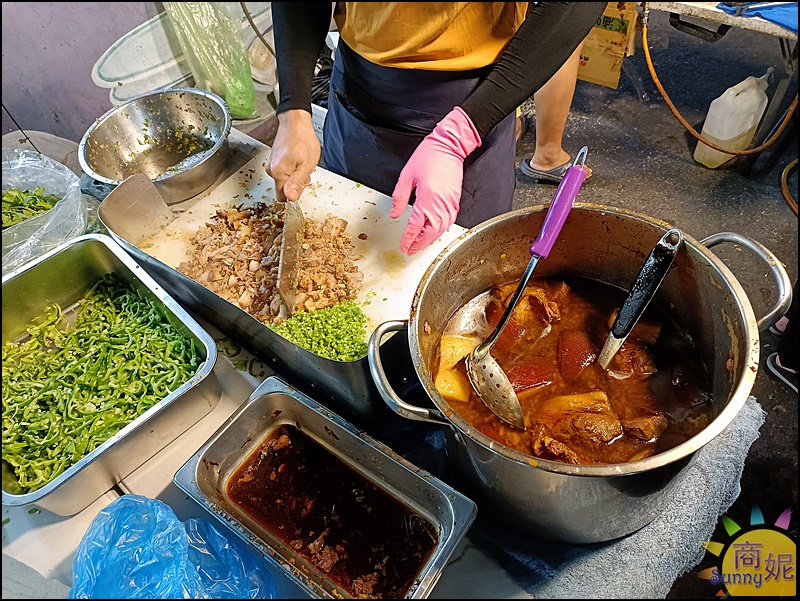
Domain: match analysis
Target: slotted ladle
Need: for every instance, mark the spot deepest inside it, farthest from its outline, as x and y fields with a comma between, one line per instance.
x=487, y=377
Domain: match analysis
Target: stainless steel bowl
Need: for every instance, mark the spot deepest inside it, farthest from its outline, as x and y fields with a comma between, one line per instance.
x=178, y=138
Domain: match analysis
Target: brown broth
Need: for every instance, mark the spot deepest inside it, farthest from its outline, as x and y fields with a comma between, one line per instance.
x=655, y=395
x=364, y=540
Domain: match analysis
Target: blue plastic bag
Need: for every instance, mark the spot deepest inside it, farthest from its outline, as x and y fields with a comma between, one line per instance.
x=137, y=548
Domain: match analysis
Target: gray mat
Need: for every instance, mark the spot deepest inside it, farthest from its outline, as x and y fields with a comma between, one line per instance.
x=646, y=563
x=23, y=582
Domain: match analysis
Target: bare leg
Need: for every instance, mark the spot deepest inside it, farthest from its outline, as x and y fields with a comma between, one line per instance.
x=553, y=102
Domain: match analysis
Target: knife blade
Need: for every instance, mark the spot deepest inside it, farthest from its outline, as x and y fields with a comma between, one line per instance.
x=294, y=228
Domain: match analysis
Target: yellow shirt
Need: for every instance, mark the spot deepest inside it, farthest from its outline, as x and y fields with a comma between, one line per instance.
x=440, y=36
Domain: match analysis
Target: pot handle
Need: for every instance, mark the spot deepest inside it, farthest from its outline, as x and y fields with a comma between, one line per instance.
x=390, y=397
x=774, y=264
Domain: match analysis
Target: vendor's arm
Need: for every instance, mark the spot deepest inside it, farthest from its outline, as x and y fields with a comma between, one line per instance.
x=545, y=40
x=299, y=29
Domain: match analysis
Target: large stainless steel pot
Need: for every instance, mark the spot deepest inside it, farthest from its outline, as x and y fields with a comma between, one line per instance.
x=580, y=503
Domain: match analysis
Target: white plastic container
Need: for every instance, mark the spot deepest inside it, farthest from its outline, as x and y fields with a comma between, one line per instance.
x=732, y=120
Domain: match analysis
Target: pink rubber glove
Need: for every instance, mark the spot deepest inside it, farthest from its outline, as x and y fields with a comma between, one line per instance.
x=436, y=170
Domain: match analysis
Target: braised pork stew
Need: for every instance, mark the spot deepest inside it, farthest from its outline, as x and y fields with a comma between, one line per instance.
x=654, y=395
x=360, y=537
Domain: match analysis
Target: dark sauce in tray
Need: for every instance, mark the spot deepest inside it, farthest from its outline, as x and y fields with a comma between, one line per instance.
x=364, y=540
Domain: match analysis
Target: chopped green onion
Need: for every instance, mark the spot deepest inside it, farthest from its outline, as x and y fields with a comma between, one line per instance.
x=337, y=332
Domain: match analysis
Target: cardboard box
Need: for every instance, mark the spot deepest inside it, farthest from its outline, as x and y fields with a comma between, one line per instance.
x=608, y=43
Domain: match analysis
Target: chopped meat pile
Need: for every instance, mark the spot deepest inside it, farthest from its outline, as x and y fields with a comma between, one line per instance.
x=237, y=253
x=328, y=273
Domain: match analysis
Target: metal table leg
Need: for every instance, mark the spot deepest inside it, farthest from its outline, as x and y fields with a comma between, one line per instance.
x=789, y=54
x=767, y=125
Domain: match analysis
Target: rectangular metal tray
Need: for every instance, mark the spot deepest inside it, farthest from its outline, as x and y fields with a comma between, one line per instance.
x=158, y=240
x=64, y=276
x=204, y=478
x=345, y=386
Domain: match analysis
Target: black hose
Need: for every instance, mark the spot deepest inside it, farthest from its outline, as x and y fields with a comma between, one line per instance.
x=322, y=79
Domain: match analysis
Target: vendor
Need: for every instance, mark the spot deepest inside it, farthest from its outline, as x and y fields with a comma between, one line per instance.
x=422, y=99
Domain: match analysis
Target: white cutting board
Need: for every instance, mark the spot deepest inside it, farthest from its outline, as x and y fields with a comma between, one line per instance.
x=390, y=277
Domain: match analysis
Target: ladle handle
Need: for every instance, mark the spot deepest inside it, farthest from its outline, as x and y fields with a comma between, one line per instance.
x=554, y=220
x=560, y=206
x=653, y=271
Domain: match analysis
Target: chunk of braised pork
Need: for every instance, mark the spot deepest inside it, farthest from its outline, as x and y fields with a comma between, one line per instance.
x=632, y=360
x=580, y=422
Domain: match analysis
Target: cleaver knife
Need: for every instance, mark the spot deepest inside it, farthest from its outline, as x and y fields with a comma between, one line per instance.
x=135, y=210
x=294, y=228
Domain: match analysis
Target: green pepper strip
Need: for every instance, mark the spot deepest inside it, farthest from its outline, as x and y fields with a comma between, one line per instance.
x=20, y=205
x=68, y=389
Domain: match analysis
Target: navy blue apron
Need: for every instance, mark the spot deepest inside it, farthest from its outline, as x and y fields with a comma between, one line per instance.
x=377, y=116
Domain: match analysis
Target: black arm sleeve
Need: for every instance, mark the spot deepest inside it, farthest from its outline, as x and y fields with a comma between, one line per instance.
x=300, y=29
x=544, y=41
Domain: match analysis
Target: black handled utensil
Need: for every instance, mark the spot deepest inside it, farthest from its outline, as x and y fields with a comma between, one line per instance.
x=653, y=271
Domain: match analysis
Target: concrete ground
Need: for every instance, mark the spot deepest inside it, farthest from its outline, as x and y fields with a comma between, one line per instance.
x=642, y=161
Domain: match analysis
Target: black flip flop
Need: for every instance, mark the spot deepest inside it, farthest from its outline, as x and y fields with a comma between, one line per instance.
x=554, y=175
